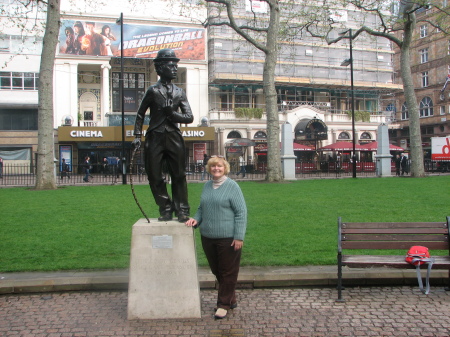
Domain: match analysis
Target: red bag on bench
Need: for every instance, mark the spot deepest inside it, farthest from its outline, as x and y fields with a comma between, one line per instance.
x=416, y=256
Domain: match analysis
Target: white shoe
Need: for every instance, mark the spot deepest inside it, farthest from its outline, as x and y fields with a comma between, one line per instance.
x=221, y=313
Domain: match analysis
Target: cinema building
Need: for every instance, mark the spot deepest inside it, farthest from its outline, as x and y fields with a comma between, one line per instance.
x=88, y=86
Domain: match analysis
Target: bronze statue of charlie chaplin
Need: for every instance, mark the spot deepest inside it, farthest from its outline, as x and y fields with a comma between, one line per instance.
x=164, y=144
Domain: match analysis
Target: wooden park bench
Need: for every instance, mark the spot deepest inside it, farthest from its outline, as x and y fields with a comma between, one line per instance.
x=389, y=236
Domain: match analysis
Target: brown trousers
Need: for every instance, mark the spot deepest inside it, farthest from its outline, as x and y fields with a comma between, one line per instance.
x=224, y=263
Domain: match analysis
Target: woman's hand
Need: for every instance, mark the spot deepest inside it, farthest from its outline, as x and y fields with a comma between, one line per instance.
x=237, y=244
x=191, y=222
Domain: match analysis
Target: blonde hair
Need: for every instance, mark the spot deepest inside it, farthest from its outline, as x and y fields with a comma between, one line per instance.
x=214, y=160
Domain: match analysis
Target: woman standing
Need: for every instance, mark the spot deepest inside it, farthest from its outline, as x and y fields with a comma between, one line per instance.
x=222, y=219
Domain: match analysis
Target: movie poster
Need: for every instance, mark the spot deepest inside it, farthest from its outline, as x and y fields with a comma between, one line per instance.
x=139, y=41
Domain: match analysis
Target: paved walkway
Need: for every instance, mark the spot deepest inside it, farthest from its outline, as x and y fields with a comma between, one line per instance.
x=375, y=311
x=302, y=304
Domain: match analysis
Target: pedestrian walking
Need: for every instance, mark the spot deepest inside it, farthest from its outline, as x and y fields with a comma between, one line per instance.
x=87, y=169
x=205, y=162
x=64, y=169
x=242, y=167
x=404, y=164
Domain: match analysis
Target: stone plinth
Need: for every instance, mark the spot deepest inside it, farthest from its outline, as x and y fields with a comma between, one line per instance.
x=163, y=271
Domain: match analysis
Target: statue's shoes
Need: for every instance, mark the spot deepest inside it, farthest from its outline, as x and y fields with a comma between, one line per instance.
x=165, y=217
x=183, y=218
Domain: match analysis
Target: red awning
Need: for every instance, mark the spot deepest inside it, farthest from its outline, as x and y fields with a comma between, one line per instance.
x=341, y=146
x=301, y=147
x=373, y=146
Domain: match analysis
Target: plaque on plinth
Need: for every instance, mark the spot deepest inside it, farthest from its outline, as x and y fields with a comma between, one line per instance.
x=163, y=271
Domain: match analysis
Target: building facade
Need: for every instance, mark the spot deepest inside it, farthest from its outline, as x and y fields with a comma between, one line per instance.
x=430, y=67
x=88, y=78
x=313, y=86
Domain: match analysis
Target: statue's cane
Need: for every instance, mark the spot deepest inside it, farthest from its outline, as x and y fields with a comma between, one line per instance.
x=131, y=180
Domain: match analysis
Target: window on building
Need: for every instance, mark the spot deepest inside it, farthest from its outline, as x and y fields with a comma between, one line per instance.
x=88, y=115
x=365, y=135
x=260, y=135
x=424, y=79
x=18, y=119
x=423, y=31
x=234, y=134
x=20, y=44
x=133, y=90
x=428, y=130
x=423, y=55
x=241, y=97
x=344, y=135
x=426, y=107
x=442, y=109
x=390, y=107
x=19, y=81
x=226, y=101
x=405, y=114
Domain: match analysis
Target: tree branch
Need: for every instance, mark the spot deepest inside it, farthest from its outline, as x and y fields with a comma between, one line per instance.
x=240, y=29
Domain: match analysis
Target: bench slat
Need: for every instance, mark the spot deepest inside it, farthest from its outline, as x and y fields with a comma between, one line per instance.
x=394, y=237
x=393, y=261
x=395, y=230
x=394, y=225
x=393, y=245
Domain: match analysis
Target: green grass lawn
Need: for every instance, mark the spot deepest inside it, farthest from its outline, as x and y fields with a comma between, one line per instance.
x=291, y=223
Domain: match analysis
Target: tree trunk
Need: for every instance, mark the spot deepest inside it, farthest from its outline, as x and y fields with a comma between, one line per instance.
x=273, y=121
x=45, y=175
x=417, y=165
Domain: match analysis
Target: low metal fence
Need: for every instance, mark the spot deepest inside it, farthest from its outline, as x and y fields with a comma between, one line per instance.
x=25, y=175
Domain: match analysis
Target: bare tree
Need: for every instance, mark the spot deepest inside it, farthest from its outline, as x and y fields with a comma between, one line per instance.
x=27, y=17
x=45, y=177
x=262, y=32
x=399, y=30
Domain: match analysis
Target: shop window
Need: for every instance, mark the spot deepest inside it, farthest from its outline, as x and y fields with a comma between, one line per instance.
x=426, y=107
x=134, y=90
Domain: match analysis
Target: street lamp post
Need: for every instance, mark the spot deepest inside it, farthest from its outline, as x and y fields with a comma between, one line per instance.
x=119, y=21
x=346, y=63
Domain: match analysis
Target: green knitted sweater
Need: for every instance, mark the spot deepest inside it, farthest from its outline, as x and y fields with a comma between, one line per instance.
x=222, y=212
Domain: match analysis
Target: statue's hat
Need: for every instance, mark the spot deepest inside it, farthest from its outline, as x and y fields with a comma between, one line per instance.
x=166, y=55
